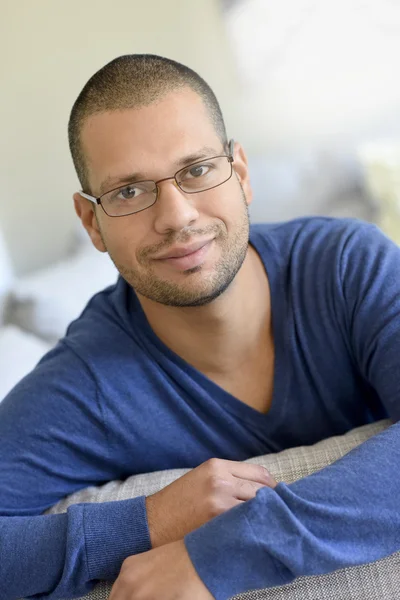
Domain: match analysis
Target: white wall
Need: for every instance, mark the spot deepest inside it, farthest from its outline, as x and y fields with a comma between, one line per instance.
x=334, y=83
x=314, y=71
x=48, y=50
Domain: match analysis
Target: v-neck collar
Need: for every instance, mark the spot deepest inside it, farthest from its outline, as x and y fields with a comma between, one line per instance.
x=280, y=327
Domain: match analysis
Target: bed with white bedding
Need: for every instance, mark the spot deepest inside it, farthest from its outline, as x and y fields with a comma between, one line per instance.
x=36, y=310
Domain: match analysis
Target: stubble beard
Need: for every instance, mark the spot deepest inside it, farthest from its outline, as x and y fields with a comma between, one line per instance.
x=190, y=294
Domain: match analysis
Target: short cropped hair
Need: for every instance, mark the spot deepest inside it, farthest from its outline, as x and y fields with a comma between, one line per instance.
x=134, y=81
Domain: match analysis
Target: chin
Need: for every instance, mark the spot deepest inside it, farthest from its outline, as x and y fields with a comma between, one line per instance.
x=182, y=296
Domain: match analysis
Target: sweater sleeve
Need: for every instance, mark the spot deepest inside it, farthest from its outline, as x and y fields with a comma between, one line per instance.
x=347, y=513
x=53, y=442
x=64, y=556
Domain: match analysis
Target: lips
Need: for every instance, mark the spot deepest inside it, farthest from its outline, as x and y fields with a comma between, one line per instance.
x=183, y=250
x=190, y=257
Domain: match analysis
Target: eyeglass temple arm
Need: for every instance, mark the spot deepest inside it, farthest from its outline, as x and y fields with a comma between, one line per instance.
x=89, y=197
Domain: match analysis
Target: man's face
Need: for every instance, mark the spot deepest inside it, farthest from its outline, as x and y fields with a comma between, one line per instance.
x=153, y=142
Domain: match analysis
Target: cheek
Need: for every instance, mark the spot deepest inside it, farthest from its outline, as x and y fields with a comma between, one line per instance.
x=124, y=238
x=229, y=206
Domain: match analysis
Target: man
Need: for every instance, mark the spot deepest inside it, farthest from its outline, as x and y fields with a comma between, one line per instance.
x=219, y=341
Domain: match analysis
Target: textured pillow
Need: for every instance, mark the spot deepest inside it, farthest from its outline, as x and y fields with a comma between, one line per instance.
x=375, y=581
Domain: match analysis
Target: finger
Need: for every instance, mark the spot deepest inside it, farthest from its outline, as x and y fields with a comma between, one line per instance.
x=232, y=502
x=256, y=473
x=246, y=490
x=114, y=592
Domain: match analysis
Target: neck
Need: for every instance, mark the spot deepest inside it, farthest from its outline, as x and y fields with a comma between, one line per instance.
x=219, y=336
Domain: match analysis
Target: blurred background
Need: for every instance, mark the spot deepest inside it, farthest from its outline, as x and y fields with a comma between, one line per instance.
x=310, y=88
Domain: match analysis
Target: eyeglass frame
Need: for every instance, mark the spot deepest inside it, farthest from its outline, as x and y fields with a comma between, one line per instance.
x=97, y=201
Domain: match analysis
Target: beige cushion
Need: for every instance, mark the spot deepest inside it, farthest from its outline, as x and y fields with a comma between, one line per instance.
x=376, y=581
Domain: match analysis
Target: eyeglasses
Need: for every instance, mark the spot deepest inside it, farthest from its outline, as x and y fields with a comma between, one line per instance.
x=134, y=197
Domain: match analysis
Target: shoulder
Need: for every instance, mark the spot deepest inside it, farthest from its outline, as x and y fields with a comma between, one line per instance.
x=106, y=319
x=339, y=258
x=303, y=230
x=318, y=239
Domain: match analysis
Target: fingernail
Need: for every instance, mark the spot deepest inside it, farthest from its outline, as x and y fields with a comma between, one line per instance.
x=269, y=477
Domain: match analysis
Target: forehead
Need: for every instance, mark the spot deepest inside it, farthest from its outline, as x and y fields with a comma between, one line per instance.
x=151, y=139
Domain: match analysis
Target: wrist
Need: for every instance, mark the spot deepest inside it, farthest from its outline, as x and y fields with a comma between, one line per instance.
x=153, y=521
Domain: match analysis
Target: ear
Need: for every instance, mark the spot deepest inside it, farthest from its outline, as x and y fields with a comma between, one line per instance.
x=240, y=165
x=86, y=212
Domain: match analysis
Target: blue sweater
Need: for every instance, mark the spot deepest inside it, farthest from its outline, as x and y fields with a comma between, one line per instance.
x=111, y=400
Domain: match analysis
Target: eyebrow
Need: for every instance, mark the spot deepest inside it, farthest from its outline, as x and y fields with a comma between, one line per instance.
x=111, y=182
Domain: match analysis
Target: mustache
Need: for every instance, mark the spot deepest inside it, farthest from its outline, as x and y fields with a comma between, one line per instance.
x=184, y=236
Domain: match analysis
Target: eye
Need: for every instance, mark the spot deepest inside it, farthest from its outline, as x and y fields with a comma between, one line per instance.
x=129, y=192
x=196, y=171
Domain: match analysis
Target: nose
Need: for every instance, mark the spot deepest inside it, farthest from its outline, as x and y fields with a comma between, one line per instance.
x=174, y=209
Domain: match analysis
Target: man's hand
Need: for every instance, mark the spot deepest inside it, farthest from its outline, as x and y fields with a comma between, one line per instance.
x=202, y=494
x=165, y=572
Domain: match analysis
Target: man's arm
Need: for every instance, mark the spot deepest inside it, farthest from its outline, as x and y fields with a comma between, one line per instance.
x=347, y=513
x=63, y=556
x=52, y=443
